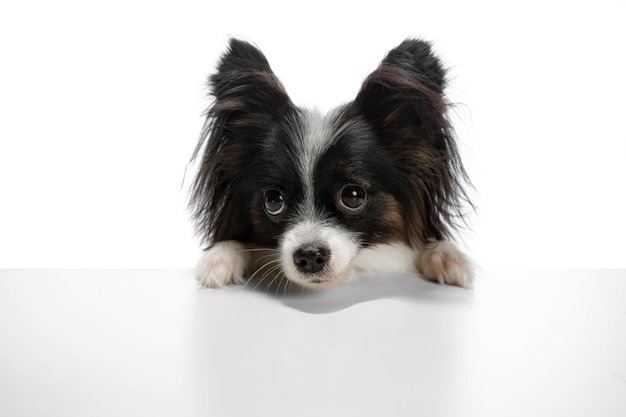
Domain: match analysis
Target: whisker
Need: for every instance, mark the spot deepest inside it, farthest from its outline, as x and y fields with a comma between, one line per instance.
x=268, y=256
x=265, y=265
x=284, y=281
x=287, y=284
x=259, y=269
x=266, y=274
x=271, y=272
x=259, y=250
x=259, y=282
x=288, y=287
x=279, y=283
x=269, y=267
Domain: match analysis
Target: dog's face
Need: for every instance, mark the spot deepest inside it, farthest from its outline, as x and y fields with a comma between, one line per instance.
x=320, y=188
x=324, y=187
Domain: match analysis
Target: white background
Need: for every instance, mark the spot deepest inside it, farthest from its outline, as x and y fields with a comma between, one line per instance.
x=100, y=108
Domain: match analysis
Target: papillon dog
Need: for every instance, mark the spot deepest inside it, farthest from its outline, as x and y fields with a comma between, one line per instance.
x=287, y=193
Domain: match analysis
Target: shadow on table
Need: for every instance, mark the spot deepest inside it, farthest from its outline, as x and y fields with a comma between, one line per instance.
x=406, y=287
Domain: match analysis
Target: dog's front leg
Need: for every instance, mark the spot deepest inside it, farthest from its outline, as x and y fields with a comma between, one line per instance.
x=443, y=262
x=224, y=263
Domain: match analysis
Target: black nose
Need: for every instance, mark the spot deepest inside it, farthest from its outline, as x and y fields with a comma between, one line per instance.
x=311, y=259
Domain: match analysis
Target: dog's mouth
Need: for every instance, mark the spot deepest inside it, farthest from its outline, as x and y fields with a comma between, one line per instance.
x=315, y=255
x=316, y=266
x=316, y=282
x=319, y=281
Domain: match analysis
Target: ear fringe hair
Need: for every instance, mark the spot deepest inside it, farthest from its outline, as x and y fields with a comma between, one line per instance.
x=407, y=106
x=247, y=98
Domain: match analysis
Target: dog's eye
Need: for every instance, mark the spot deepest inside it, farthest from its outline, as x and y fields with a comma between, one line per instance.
x=274, y=202
x=352, y=198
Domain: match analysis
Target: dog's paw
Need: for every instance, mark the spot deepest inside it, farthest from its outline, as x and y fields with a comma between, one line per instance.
x=222, y=264
x=445, y=263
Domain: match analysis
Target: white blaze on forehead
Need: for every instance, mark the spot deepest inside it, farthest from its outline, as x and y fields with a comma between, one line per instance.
x=317, y=136
x=318, y=133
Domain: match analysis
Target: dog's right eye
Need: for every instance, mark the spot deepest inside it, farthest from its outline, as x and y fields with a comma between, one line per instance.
x=274, y=202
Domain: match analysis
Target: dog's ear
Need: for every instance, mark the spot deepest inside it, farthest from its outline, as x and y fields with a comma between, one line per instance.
x=404, y=95
x=417, y=57
x=247, y=92
x=403, y=101
x=248, y=99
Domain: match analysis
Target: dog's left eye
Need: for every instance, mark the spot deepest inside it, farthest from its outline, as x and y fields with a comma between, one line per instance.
x=352, y=198
x=274, y=202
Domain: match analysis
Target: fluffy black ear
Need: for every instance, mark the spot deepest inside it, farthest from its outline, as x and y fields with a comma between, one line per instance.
x=248, y=99
x=404, y=95
x=403, y=100
x=417, y=57
x=245, y=84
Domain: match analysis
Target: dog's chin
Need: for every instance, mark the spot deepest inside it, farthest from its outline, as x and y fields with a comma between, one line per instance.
x=322, y=279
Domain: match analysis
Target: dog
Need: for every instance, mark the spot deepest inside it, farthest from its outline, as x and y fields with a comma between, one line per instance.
x=374, y=186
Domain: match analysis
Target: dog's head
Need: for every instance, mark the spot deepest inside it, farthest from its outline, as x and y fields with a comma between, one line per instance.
x=381, y=169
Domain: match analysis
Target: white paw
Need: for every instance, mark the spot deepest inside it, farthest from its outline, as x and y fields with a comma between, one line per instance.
x=445, y=263
x=222, y=264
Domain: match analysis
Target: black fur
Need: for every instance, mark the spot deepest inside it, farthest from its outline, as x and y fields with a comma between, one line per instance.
x=394, y=138
x=403, y=100
x=249, y=102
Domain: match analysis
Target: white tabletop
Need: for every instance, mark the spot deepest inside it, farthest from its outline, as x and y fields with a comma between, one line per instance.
x=150, y=343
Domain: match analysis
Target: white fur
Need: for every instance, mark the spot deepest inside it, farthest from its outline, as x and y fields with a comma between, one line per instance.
x=389, y=258
x=223, y=264
x=226, y=262
x=317, y=137
x=439, y=261
x=318, y=134
x=340, y=243
x=443, y=262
